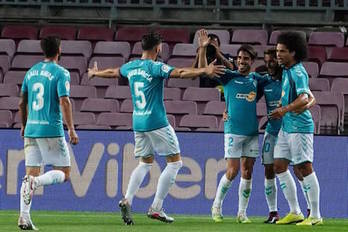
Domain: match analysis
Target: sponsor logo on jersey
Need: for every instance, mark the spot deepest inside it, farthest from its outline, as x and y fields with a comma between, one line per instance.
x=67, y=86
x=165, y=68
x=249, y=97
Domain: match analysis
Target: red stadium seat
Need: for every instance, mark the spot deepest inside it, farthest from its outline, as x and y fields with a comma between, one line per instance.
x=312, y=68
x=95, y=34
x=18, y=32
x=196, y=121
x=29, y=47
x=7, y=47
x=224, y=36
x=73, y=47
x=274, y=36
x=319, y=84
x=106, y=48
x=326, y=39
x=250, y=36
x=172, y=94
x=5, y=119
x=14, y=77
x=338, y=54
x=63, y=32
x=9, y=90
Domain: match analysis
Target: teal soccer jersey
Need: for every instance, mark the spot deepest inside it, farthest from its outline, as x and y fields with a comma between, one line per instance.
x=240, y=96
x=45, y=83
x=146, y=82
x=294, y=83
x=272, y=92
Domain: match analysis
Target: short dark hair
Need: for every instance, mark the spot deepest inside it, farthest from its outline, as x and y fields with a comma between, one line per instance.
x=214, y=36
x=271, y=51
x=150, y=40
x=50, y=46
x=294, y=42
x=249, y=49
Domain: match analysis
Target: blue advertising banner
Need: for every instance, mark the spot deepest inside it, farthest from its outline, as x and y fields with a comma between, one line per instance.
x=103, y=161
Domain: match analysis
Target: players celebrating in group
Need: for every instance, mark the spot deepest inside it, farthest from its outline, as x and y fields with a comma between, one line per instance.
x=288, y=138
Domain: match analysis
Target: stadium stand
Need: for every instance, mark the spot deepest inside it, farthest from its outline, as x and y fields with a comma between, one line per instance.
x=83, y=46
x=7, y=47
x=63, y=32
x=95, y=34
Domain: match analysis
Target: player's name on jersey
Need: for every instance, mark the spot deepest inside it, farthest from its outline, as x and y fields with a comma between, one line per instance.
x=139, y=113
x=38, y=122
x=43, y=73
x=140, y=72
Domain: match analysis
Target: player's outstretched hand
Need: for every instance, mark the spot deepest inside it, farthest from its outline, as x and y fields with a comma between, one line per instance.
x=203, y=39
x=92, y=71
x=215, y=70
x=73, y=138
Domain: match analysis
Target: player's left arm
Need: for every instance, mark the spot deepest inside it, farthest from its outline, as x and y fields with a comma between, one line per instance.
x=303, y=93
x=106, y=73
x=299, y=103
x=311, y=102
x=23, y=110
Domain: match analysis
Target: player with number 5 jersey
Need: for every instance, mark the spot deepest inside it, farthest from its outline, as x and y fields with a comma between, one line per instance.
x=152, y=131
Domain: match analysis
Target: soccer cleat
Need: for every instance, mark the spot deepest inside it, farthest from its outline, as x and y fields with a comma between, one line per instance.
x=291, y=218
x=159, y=215
x=242, y=218
x=310, y=222
x=272, y=218
x=26, y=224
x=126, y=212
x=216, y=214
x=29, y=188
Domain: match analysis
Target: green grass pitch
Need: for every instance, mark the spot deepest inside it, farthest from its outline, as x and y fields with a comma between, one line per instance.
x=95, y=221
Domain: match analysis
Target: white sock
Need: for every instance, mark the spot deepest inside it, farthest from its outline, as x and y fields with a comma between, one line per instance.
x=222, y=190
x=305, y=194
x=312, y=188
x=24, y=208
x=49, y=178
x=245, y=187
x=288, y=186
x=136, y=179
x=271, y=194
x=165, y=181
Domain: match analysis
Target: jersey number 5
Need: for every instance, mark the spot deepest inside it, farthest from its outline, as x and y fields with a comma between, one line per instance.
x=39, y=103
x=140, y=103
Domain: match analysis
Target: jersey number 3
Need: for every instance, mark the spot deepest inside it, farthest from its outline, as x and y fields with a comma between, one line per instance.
x=39, y=103
x=140, y=103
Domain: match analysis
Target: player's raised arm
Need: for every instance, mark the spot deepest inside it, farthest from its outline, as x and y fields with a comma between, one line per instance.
x=106, y=73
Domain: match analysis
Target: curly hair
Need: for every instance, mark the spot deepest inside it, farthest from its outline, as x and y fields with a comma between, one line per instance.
x=294, y=42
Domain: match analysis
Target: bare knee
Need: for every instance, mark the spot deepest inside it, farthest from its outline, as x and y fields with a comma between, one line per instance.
x=232, y=168
x=280, y=165
x=247, y=168
x=32, y=171
x=269, y=171
x=231, y=173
